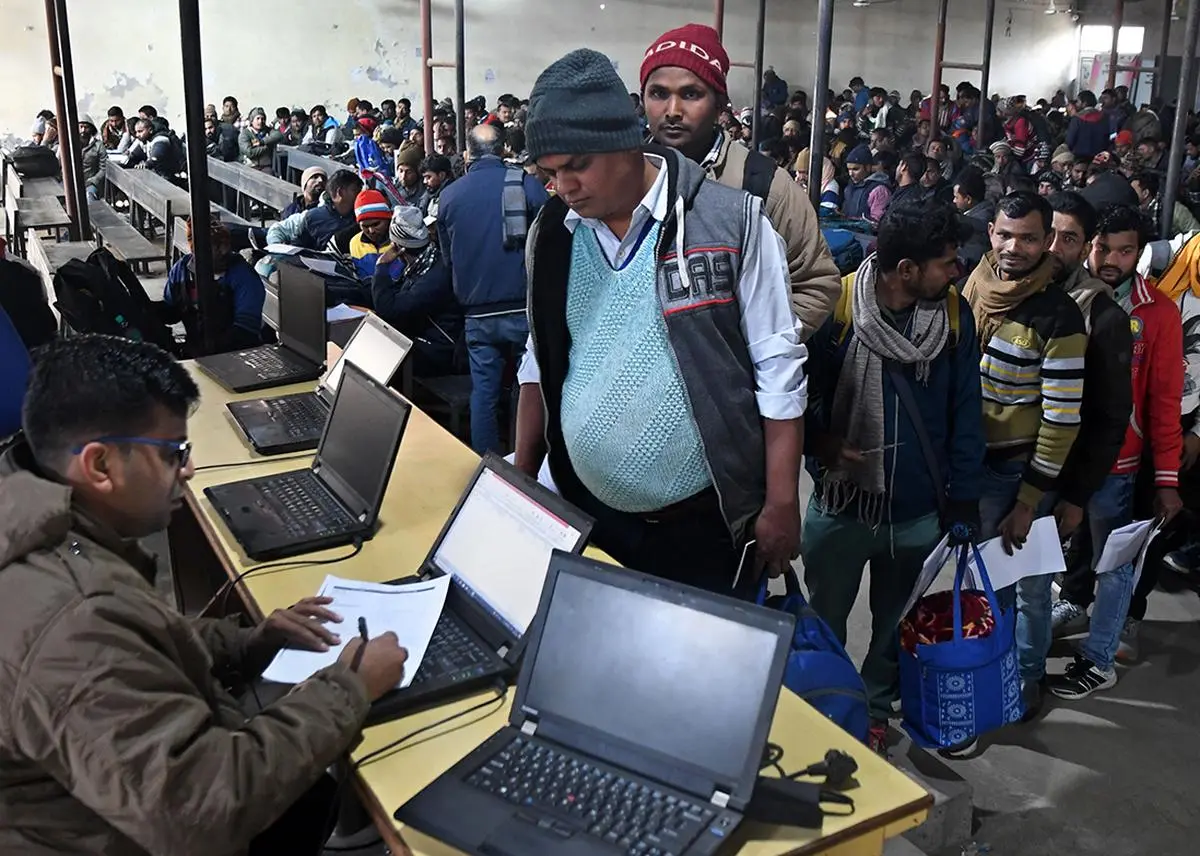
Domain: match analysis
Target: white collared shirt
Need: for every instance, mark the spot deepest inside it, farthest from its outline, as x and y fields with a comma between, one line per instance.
x=770, y=326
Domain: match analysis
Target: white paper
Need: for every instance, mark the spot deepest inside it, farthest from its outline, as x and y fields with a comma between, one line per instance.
x=1042, y=554
x=1123, y=546
x=410, y=611
x=342, y=312
x=1141, y=556
x=283, y=249
x=328, y=267
x=933, y=566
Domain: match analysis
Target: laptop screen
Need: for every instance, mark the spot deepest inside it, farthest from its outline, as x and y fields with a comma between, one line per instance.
x=639, y=668
x=360, y=436
x=373, y=350
x=498, y=547
x=302, y=313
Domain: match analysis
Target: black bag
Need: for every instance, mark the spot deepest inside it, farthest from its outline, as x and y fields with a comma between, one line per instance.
x=35, y=161
x=103, y=295
x=23, y=299
x=758, y=174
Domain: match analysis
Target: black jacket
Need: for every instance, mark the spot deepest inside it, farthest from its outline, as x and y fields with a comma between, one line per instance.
x=1107, y=398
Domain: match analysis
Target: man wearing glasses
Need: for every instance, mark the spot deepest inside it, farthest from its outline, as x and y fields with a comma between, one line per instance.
x=118, y=731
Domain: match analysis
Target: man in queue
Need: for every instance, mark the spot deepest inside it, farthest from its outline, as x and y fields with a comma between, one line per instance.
x=668, y=396
x=119, y=735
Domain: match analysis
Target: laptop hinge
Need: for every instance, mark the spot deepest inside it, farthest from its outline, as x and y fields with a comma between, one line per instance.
x=720, y=799
x=528, y=727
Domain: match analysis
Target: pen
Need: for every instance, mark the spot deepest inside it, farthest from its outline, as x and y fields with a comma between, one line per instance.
x=358, y=655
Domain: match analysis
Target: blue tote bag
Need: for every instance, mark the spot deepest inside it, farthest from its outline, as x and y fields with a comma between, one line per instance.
x=956, y=690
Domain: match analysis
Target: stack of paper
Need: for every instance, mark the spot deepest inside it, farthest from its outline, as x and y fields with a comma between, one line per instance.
x=410, y=611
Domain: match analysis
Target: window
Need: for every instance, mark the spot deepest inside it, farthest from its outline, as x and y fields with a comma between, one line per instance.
x=1097, y=38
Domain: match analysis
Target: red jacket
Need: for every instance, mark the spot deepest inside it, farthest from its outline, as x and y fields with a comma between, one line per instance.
x=1157, y=373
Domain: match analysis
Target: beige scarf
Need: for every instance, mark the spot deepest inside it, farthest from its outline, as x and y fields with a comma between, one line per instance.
x=992, y=298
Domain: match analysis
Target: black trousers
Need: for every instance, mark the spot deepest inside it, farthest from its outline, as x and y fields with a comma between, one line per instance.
x=305, y=827
x=688, y=543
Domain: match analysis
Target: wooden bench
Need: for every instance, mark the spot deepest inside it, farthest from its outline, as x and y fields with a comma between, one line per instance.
x=294, y=163
x=37, y=213
x=48, y=256
x=449, y=395
x=244, y=181
x=48, y=188
x=117, y=233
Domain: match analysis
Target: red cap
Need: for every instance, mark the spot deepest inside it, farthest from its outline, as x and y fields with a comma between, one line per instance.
x=1124, y=138
x=694, y=47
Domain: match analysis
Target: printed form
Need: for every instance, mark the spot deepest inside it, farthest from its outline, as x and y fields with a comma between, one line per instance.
x=410, y=611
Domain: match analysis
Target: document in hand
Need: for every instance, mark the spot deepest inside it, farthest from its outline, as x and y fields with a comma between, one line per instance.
x=410, y=611
x=1042, y=554
x=1128, y=545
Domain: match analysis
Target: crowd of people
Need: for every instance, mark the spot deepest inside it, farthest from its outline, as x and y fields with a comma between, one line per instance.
x=1013, y=347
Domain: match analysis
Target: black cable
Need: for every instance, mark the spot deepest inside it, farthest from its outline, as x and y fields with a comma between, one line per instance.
x=222, y=594
x=254, y=461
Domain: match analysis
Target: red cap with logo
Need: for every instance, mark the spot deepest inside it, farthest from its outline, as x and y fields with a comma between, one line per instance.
x=694, y=47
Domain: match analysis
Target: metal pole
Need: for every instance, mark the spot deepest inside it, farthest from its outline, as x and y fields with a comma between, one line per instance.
x=1163, y=47
x=816, y=144
x=71, y=133
x=1186, y=90
x=719, y=19
x=985, y=73
x=60, y=114
x=197, y=152
x=1118, y=19
x=460, y=76
x=760, y=35
x=939, y=53
x=427, y=71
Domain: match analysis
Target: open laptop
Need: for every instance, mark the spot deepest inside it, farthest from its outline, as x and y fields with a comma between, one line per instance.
x=337, y=499
x=639, y=722
x=496, y=546
x=300, y=354
x=293, y=423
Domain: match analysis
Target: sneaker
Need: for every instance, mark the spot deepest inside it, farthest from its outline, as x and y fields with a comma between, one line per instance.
x=1081, y=679
x=1185, y=560
x=1127, y=650
x=877, y=737
x=960, y=750
x=1067, y=619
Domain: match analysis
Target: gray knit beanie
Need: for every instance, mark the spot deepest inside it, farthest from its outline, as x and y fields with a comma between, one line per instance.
x=579, y=105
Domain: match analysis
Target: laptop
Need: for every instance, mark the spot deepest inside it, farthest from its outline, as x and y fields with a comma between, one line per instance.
x=300, y=354
x=293, y=423
x=496, y=547
x=337, y=499
x=639, y=722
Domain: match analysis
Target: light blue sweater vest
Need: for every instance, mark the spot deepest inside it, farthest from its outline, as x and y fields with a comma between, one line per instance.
x=628, y=427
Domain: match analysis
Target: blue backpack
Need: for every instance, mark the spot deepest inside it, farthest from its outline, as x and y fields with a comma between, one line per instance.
x=818, y=668
x=846, y=249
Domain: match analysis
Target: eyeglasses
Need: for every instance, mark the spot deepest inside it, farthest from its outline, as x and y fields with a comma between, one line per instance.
x=181, y=448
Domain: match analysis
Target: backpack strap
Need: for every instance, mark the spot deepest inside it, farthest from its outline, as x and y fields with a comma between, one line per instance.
x=843, y=312
x=952, y=310
x=515, y=209
x=758, y=174
x=905, y=394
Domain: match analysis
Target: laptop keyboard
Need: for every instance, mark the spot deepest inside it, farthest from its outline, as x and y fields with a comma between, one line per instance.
x=299, y=415
x=304, y=506
x=269, y=363
x=628, y=813
x=453, y=654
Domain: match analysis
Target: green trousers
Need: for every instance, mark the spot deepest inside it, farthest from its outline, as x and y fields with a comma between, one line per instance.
x=836, y=548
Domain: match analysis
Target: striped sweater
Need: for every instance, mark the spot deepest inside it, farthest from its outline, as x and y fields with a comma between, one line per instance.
x=1032, y=377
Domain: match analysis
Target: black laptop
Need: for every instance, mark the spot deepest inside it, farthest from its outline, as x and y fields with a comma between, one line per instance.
x=300, y=354
x=337, y=499
x=496, y=547
x=293, y=423
x=639, y=722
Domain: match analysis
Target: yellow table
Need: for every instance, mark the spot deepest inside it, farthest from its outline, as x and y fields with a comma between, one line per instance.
x=431, y=472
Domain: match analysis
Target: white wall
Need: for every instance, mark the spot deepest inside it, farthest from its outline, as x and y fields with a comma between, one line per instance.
x=275, y=52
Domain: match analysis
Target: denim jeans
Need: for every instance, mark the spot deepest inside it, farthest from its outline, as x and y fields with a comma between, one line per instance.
x=492, y=343
x=1032, y=595
x=835, y=549
x=1111, y=507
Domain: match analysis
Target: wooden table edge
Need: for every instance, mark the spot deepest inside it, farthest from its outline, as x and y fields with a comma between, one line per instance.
x=918, y=810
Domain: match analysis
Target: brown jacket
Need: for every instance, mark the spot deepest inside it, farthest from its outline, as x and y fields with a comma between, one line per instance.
x=117, y=735
x=816, y=282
